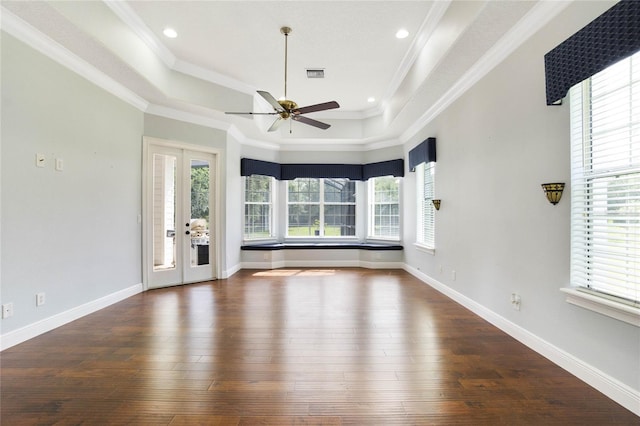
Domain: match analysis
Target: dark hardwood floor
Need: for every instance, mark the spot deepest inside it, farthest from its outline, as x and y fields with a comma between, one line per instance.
x=289, y=346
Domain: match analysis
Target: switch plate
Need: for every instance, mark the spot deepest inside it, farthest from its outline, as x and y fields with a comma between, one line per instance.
x=41, y=160
x=7, y=310
x=59, y=164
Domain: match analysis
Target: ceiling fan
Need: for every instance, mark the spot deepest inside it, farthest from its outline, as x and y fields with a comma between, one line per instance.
x=286, y=108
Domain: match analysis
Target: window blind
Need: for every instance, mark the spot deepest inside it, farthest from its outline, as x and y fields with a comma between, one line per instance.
x=605, y=192
x=426, y=211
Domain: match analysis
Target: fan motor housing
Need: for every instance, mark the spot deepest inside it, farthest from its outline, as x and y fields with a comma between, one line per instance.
x=288, y=106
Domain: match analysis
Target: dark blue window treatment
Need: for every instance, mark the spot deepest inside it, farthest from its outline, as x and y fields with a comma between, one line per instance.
x=425, y=152
x=349, y=171
x=250, y=167
x=611, y=37
x=383, y=168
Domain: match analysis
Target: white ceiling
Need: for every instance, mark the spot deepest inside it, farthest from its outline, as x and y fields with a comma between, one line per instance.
x=225, y=50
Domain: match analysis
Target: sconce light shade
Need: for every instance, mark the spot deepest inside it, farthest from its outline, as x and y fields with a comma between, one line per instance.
x=553, y=191
x=436, y=204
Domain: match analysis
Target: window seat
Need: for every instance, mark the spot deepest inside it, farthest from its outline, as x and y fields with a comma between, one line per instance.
x=322, y=246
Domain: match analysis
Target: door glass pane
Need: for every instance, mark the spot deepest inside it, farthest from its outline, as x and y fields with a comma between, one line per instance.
x=199, y=232
x=164, y=211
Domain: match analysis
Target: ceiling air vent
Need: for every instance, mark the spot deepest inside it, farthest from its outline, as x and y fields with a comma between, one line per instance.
x=315, y=72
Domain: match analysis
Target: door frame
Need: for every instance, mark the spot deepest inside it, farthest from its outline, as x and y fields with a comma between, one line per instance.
x=147, y=222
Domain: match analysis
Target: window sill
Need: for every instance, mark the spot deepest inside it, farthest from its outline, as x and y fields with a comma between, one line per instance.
x=424, y=249
x=601, y=305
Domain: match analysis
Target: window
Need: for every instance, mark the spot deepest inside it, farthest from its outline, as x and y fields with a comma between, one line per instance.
x=321, y=207
x=426, y=211
x=605, y=182
x=258, y=207
x=384, y=207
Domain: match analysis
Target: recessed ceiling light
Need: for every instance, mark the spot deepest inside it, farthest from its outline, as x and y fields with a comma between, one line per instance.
x=170, y=32
x=402, y=33
x=371, y=99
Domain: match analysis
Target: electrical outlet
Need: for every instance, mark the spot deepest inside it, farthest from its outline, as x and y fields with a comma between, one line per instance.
x=515, y=301
x=7, y=310
x=453, y=275
x=40, y=299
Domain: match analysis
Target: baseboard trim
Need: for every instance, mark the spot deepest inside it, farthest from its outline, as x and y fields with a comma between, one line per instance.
x=30, y=331
x=609, y=386
x=229, y=272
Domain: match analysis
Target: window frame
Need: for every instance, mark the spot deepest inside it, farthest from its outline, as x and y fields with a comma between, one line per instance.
x=585, y=196
x=272, y=209
x=425, y=211
x=371, y=209
x=322, y=203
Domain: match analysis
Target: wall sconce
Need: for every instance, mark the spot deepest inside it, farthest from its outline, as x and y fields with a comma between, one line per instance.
x=553, y=191
x=436, y=204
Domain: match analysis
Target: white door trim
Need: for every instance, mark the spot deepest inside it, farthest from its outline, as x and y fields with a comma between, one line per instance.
x=216, y=227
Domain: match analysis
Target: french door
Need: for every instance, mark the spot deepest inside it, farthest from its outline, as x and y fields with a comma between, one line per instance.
x=179, y=212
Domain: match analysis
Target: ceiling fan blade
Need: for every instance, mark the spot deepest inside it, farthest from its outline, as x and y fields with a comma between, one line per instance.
x=317, y=107
x=269, y=98
x=311, y=122
x=276, y=124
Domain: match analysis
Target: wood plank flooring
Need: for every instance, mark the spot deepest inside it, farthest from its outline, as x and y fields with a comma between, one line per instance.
x=291, y=347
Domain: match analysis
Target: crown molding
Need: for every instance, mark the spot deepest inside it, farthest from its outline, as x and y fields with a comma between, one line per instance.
x=532, y=22
x=29, y=35
x=427, y=28
x=133, y=21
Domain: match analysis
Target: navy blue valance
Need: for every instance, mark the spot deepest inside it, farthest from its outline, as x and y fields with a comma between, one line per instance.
x=348, y=171
x=425, y=152
x=383, y=168
x=250, y=167
x=611, y=37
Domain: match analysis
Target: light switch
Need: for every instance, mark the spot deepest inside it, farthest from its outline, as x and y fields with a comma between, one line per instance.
x=59, y=164
x=41, y=160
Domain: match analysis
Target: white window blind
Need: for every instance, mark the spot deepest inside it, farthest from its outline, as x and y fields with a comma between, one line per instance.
x=258, y=207
x=426, y=211
x=384, y=207
x=605, y=182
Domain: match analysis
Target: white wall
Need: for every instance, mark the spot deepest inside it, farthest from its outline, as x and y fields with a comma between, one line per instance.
x=72, y=234
x=495, y=229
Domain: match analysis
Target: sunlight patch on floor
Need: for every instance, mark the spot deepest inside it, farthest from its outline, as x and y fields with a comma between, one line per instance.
x=292, y=272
